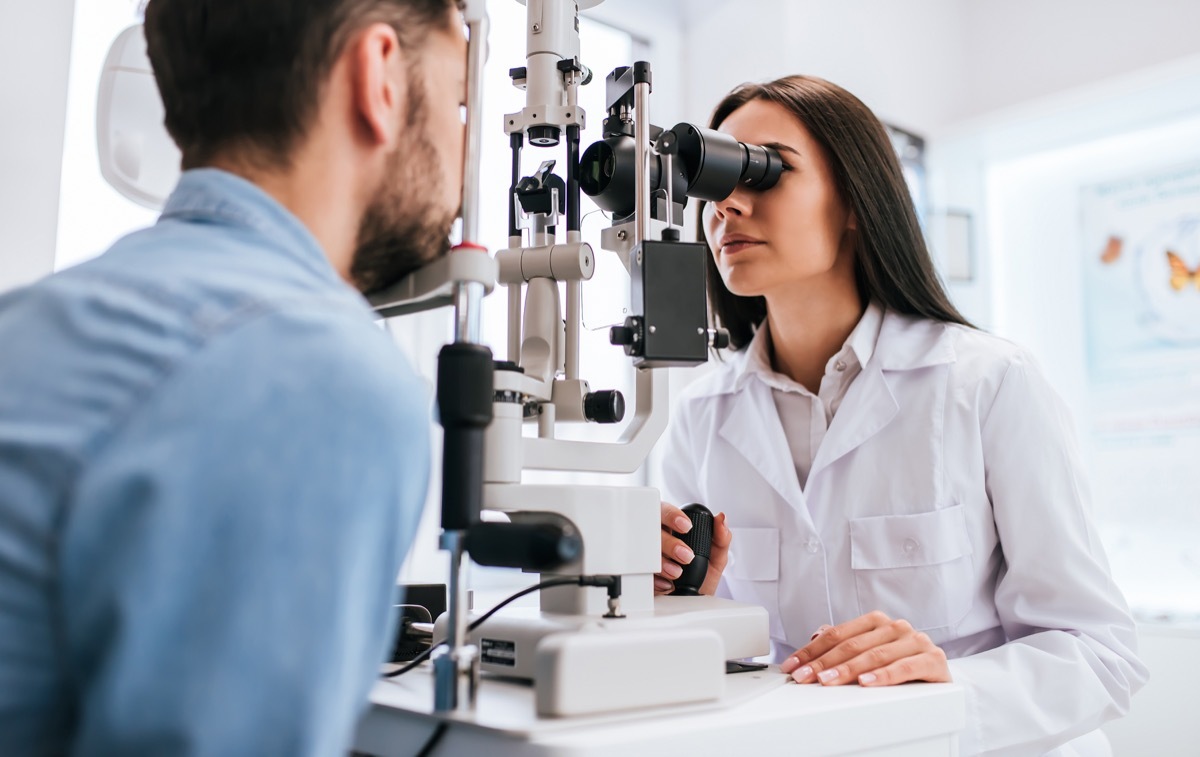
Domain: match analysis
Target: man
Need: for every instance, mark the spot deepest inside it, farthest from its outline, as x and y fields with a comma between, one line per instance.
x=211, y=460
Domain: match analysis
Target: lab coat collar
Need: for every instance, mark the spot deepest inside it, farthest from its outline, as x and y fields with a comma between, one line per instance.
x=910, y=342
x=752, y=427
x=859, y=346
x=904, y=343
x=752, y=424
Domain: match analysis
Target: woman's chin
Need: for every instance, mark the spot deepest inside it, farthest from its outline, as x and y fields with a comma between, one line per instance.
x=745, y=286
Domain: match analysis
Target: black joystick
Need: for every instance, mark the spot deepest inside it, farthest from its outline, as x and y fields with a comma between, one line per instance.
x=699, y=540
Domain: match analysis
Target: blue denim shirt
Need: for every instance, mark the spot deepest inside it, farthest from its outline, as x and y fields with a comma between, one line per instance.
x=211, y=465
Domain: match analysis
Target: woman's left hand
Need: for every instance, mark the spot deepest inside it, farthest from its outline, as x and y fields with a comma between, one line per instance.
x=873, y=650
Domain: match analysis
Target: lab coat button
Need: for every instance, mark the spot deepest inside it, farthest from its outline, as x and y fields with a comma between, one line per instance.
x=839, y=366
x=812, y=546
x=910, y=546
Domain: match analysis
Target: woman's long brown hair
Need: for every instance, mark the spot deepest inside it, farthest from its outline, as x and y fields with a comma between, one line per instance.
x=892, y=264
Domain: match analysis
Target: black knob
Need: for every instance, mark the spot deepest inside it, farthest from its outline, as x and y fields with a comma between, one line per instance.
x=699, y=540
x=628, y=336
x=620, y=335
x=670, y=235
x=720, y=339
x=544, y=136
x=607, y=406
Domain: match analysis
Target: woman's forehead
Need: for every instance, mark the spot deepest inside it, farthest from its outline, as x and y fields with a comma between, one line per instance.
x=761, y=121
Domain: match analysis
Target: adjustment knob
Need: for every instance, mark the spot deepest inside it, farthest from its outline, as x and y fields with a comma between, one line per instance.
x=699, y=540
x=628, y=336
x=621, y=336
x=607, y=406
x=719, y=338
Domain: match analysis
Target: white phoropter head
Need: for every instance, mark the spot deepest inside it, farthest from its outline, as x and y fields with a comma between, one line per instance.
x=137, y=155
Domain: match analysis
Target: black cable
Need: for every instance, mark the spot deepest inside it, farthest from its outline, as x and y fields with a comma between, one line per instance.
x=523, y=592
x=548, y=584
x=430, y=745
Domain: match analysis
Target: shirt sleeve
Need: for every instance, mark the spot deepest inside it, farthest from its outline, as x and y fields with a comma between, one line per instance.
x=229, y=555
x=1071, y=661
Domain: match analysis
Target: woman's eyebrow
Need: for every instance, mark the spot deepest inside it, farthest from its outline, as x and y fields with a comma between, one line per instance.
x=781, y=147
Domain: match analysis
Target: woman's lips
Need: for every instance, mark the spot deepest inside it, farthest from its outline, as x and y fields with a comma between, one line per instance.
x=734, y=248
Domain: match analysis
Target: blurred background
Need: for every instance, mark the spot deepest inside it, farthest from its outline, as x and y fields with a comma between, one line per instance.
x=1053, y=150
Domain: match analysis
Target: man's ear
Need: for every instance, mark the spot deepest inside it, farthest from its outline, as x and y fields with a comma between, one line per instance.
x=379, y=89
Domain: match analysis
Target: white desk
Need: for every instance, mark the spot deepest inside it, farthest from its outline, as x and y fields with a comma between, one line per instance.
x=760, y=715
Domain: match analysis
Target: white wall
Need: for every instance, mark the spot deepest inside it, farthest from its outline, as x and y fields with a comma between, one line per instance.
x=926, y=64
x=902, y=59
x=35, y=54
x=1025, y=49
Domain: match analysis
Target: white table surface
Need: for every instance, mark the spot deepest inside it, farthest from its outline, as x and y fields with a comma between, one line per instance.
x=761, y=714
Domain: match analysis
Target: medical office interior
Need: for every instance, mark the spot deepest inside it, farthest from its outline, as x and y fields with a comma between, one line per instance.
x=1053, y=152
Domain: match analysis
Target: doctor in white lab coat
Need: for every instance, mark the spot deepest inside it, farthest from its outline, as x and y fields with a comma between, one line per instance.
x=901, y=491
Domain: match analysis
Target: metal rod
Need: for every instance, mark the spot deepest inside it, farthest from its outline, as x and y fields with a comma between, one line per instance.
x=641, y=138
x=574, y=318
x=455, y=667
x=573, y=198
x=516, y=141
x=516, y=296
x=668, y=167
x=468, y=302
x=476, y=56
x=453, y=687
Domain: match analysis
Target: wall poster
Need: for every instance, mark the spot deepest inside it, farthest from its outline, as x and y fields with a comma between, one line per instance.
x=1141, y=276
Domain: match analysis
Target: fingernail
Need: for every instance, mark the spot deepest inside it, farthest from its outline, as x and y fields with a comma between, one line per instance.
x=803, y=674
x=867, y=678
x=787, y=664
x=682, y=524
x=672, y=570
x=662, y=584
x=684, y=554
x=826, y=676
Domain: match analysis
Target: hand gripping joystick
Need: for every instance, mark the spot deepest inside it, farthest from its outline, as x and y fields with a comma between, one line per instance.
x=699, y=540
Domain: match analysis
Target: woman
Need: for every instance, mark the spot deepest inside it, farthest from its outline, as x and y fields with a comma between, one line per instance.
x=901, y=491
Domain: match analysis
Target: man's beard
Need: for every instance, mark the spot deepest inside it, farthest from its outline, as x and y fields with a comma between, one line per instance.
x=405, y=227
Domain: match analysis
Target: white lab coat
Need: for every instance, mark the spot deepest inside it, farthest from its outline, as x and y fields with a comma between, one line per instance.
x=952, y=494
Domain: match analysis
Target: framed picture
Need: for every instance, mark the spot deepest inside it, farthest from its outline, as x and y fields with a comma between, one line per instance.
x=952, y=237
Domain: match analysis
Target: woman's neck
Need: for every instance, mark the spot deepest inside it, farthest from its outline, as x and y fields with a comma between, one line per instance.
x=809, y=325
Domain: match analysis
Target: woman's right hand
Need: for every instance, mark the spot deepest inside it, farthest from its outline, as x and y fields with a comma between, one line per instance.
x=675, y=553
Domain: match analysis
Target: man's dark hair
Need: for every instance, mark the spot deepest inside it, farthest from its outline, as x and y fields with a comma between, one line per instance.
x=246, y=75
x=891, y=263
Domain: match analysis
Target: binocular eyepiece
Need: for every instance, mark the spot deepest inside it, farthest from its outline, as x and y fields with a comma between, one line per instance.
x=705, y=164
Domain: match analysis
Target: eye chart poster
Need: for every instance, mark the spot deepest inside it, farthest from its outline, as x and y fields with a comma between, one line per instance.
x=1141, y=276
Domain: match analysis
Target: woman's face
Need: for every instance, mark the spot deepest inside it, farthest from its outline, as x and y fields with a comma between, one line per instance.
x=796, y=232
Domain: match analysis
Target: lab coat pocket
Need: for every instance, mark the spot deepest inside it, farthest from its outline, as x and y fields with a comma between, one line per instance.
x=752, y=574
x=916, y=567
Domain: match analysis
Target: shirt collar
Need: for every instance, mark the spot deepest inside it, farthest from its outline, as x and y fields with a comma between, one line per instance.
x=861, y=342
x=210, y=194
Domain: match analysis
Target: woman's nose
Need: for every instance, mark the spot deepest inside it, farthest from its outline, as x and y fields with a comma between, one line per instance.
x=736, y=204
